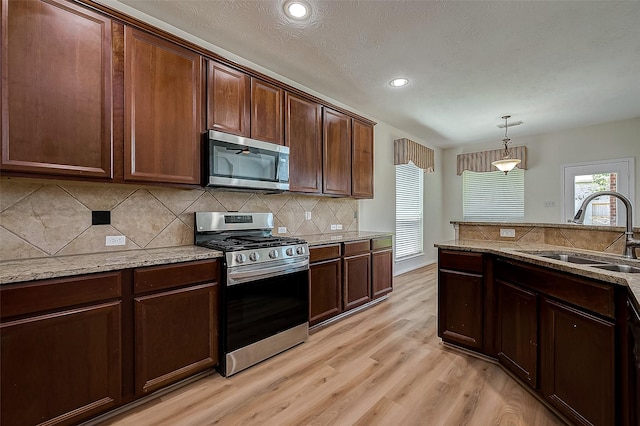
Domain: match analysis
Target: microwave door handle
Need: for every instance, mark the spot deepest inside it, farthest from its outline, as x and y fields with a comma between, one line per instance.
x=240, y=277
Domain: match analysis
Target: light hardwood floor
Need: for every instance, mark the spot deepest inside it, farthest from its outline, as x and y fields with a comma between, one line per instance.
x=382, y=366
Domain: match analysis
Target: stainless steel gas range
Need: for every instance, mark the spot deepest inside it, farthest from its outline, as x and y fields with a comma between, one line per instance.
x=265, y=286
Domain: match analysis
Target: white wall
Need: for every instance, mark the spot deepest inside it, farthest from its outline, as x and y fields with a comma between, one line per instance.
x=378, y=214
x=546, y=154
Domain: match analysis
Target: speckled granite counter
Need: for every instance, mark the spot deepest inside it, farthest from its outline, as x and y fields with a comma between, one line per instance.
x=526, y=252
x=20, y=270
x=320, y=239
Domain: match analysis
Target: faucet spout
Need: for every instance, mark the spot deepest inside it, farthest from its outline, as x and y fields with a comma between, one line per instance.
x=631, y=244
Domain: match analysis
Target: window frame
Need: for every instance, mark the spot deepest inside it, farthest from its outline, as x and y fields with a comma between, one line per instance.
x=419, y=191
x=493, y=180
x=625, y=169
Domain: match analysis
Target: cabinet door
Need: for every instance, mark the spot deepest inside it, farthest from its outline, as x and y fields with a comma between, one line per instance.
x=336, y=154
x=56, y=89
x=381, y=273
x=362, y=160
x=517, y=334
x=228, y=100
x=303, y=136
x=266, y=112
x=460, y=315
x=163, y=110
x=577, y=364
x=61, y=367
x=175, y=335
x=325, y=290
x=357, y=280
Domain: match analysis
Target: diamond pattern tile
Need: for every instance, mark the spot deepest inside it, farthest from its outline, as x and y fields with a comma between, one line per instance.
x=49, y=218
x=99, y=197
x=141, y=217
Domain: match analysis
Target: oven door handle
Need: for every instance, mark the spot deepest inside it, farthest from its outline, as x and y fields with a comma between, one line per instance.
x=239, y=277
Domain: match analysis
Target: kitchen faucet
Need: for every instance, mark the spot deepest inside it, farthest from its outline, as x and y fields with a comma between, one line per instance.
x=631, y=243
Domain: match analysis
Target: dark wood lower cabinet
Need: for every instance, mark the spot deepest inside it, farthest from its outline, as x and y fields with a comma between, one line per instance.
x=357, y=280
x=325, y=290
x=460, y=300
x=175, y=335
x=381, y=267
x=578, y=363
x=61, y=367
x=517, y=335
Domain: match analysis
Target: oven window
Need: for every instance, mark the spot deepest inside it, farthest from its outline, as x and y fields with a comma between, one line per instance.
x=260, y=309
x=240, y=162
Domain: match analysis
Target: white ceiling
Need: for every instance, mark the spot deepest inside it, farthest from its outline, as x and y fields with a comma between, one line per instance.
x=552, y=64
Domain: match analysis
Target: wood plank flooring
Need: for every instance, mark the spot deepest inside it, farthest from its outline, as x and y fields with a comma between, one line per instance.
x=382, y=366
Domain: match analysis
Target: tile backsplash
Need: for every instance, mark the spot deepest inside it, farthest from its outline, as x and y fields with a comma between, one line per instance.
x=42, y=218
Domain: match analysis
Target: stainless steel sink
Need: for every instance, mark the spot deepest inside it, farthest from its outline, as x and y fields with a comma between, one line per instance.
x=619, y=268
x=572, y=259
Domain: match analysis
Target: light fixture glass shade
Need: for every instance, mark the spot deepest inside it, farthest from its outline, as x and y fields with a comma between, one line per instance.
x=506, y=165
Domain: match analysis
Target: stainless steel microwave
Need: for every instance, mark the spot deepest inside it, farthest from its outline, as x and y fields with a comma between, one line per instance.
x=243, y=163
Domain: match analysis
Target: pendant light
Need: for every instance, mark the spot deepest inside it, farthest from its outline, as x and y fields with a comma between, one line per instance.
x=506, y=164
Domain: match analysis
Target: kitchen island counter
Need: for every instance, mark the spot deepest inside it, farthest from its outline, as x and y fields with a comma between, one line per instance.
x=526, y=252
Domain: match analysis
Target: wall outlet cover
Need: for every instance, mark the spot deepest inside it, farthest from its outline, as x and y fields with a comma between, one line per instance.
x=339, y=227
x=307, y=215
x=334, y=227
x=116, y=240
x=282, y=229
x=510, y=233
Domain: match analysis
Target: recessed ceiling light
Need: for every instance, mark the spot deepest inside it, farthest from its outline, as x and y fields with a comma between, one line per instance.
x=297, y=10
x=398, y=82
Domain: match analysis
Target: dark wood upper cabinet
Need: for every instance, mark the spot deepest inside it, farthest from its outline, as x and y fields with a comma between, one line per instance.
x=362, y=160
x=244, y=105
x=164, y=96
x=303, y=135
x=228, y=100
x=57, y=93
x=266, y=112
x=336, y=153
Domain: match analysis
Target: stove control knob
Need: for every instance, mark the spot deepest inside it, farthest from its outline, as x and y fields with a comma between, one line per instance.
x=240, y=258
x=254, y=256
x=300, y=250
x=273, y=254
x=290, y=251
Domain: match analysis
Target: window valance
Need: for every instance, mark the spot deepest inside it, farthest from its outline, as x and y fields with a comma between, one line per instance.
x=481, y=161
x=405, y=150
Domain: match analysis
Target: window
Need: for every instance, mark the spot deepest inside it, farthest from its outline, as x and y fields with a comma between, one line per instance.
x=583, y=179
x=408, y=210
x=493, y=196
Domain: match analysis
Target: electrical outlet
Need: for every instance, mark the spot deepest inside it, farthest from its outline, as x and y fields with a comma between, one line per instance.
x=116, y=240
x=511, y=233
x=334, y=227
x=549, y=203
x=339, y=227
x=282, y=229
x=307, y=215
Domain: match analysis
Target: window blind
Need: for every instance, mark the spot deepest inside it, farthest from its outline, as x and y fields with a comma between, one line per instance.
x=493, y=196
x=408, y=210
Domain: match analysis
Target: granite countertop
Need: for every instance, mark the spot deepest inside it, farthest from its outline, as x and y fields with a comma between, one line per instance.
x=526, y=252
x=19, y=270
x=545, y=225
x=341, y=237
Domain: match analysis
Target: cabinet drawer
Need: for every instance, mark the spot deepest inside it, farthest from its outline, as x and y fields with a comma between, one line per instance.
x=27, y=298
x=169, y=276
x=381, y=243
x=591, y=295
x=460, y=261
x=356, y=247
x=320, y=253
